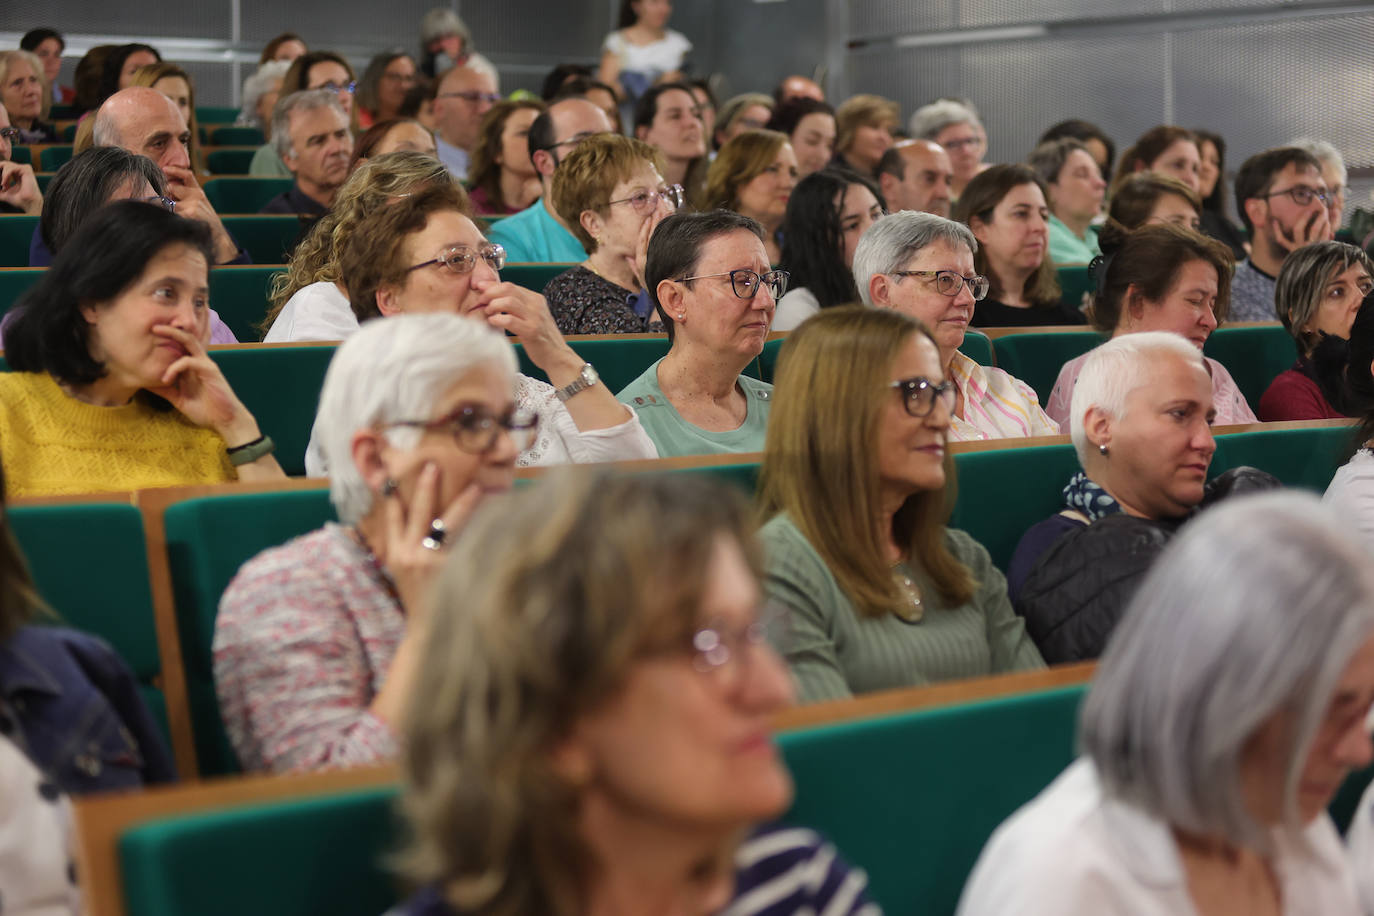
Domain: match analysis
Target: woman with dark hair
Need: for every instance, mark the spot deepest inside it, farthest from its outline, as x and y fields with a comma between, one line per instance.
x=47, y=45
x=667, y=117
x=501, y=178
x=1171, y=151
x=1099, y=145
x=87, y=78
x=384, y=85
x=111, y=388
x=1352, y=489
x=1146, y=197
x=643, y=51
x=287, y=46
x=827, y=214
x=1212, y=190
x=122, y=63
x=397, y=135
x=810, y=125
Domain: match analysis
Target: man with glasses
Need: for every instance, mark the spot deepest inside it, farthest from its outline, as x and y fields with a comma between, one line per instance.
x=19, y=191
x=464, y=95
x=1282, y=199
x=538, y=233
x=921, y=265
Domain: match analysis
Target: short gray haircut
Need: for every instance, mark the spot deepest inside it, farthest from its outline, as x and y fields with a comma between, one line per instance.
x=305, y=100
x=442, y=22
x=1115, y=369
x=394, y=369
x=893, y=240
x=1325, y=153
x=1255, y=609
x=267, y=78
x=928, y=120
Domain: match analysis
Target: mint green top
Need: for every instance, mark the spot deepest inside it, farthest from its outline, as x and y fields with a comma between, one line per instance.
x=675, y=436
x=267, y=164
x=1067, y=248
x=835, y=653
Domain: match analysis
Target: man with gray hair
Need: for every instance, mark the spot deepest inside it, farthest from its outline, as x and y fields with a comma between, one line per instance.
x=1333, y=173
x=310, y=133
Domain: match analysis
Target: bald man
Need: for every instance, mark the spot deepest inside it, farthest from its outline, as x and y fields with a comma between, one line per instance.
x=798, y=87
x=916, y=175
x=463, y=97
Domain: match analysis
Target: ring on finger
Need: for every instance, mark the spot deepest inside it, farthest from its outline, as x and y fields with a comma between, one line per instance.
x=437, y=532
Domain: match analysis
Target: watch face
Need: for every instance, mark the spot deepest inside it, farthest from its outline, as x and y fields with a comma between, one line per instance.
x=589, y=375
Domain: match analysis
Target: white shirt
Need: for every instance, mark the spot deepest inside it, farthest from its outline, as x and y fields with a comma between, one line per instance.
x=455, y=158
x=795, y=306
x=35, y=841
x=1073, y=852
x=315, y=312
x=1352, y=494
x=653, y=59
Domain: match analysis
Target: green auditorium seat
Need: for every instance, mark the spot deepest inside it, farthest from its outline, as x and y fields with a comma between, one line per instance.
x=208, y=539
x=977, y=347
x=63, y=113
x=280, y=386
x=211, y=114
x=913, y=797
x=14, y=282
x=1036, y=357
x=1253, y=355
x=22, y=155
x=68, y=133
x=237, y=136
x=53, y=158
x=239, y=296
x=108, y=594
x=619, y=361
x=266, y=238
x=1075, y=282
x=230, y=161
x=1305, y=458
x=533, y=276
x=235, y=194
x=16, y=231
x=44, y=179
x=1002, y=492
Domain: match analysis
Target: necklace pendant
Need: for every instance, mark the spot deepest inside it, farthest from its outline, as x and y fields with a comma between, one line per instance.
x=912, y=610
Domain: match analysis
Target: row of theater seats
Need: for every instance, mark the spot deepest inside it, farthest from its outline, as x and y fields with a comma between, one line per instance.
x=230, y=157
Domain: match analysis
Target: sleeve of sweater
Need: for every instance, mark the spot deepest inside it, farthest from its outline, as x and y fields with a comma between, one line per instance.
x=1011, y=646
x=1291, y=396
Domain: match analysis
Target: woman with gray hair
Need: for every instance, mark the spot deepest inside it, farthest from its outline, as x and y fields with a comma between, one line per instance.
x=1221, y=722
x=954, y=125
x=260, y=96
x=1333, y=173
x=317, y=640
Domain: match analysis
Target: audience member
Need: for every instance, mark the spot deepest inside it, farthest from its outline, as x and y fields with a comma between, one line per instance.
x=25, y=97
x=1216, y=221
x=316, y=641
x=863, y=132
x=610, y=191
x=1100, y=146
x=956, y=127
x=598, y=93
x=402, y=134
x=1318, y=294
x=382, y=90
x=826, y=216
x=19, y=191
x=1160, y=278
x=87, y=182
x=538, y=233
x=1351, y=492
x=315, y=70
x=1282, y=200
x=754, y=174
x=706, y=104
x=464, y=95
x=87, y=78
x=1333, y=173
x=642, y=51
x=502, y=179
x=1220, y=724
x=853, y=487
x=667, y=117
x=1074, y=190
x=122, y=63
x=1147, y=198
x=285, y=47
x=560, y=76
x=110, y=387
x=47, y=45
x=310, y=131
x=446, y=42
x=419, y=103
x=797, y=87
x=922, y=265
x=260, y=93
x=810, y=126
x=1005, y=207
x=579, y=742
x=916, y=175
x=1165, y=150
x=750, y=111
x=710, y=280
x=175, y=83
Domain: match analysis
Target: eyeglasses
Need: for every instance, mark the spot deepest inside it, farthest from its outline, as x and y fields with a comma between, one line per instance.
x=1302, y=195
x=948, y=283
x=339, y=87
x=405, y=78
x=461, y=259
x=11, y=134
x=646, y=201
x=475, y=429
x=920, y=394
x=970, y=142
x=716, y=646
x=165, y=203
x=746, y=282
x=472, y=96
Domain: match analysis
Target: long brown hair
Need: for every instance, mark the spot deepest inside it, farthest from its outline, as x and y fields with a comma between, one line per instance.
x=980, y=198
x=821, y=468
x=485, y=171
x=19, y=601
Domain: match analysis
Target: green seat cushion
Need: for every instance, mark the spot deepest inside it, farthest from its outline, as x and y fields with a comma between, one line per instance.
x=1305, y=458
x=280, y=386
x=618, y=362
x=266, y=238
x=1253, y=356
x=16, y=231
x=237, y=136
x=14, y=283
x=533, y=276
x=21, y=154
x=1037, y=356
x=230, y=161
x=1002, y=492
x=54, y=157
x=234, y=194
x=1075, y=282
x=216, y=114
x=239, y=296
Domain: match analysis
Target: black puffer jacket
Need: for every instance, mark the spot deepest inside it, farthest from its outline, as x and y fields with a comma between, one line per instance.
x=1082, y=584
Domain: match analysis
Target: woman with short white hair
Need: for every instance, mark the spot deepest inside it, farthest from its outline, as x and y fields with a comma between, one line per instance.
x=260, y=93
x=316, y=640
x=1223, y=718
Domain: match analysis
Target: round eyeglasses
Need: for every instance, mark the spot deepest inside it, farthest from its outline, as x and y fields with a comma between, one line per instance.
x=461, y=259
x=746, y=282
x=948, y=283
x=920, y=394
x=475, y=429
x=646, y=201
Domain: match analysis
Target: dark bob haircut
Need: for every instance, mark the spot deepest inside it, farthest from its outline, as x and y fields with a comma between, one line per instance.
x=85, y=184
x=675, y=248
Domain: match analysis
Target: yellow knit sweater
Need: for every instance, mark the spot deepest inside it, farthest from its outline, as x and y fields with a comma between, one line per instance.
x=51, y=443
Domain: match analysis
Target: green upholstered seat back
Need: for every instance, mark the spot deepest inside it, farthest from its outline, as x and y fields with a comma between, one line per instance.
x=1075, y=282
x=1304, y=458
x=22, y=154
x=1253, y=356
x=208, y=539
x=236, y=194
x=280, y=386
x=14, y=283
x=215, y=114
x=231, y=161
x=237, y=136
x=266, y=238
x=1036, y=357
x=533, y=276
x=54, y=157
x=618, y=362
x=16, y=231
x=239, y=296
x=977, y=347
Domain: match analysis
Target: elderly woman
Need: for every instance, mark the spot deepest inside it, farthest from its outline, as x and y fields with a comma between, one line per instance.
x=25, y=95
x=610, y=191
x=810, y=127
x=390, y=137
x=1149, y=198
x=709, y=278
x=1160, y=278
x=1006, y=209
x=863, y=132
x=111, y=388
x=1220, y=724
x=754, y=174
x=383, y=87
x=922, y=265
x=260, y=93
x=955, y=126
x=749, y=111
x=1333, y=173
x=502, y=179
x=879, y=593
x=1142, y=428
x=1165, y=150
x=1074, y=189
x=1319, y=290
x=424, y=254
x=601, y=743
x=828, y=213
x=316, y=641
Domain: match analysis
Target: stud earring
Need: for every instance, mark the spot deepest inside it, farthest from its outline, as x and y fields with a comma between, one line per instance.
x=1102, y=449
x=390, y=487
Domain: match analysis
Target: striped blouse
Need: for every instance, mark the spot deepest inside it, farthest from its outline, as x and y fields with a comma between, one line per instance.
x=996, y=406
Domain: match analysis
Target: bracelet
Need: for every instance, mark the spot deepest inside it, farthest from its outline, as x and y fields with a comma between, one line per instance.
x=251, y=451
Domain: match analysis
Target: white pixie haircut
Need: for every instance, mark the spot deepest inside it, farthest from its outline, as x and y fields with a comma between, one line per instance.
x=1254, y=610
x=1115, y=369
x=1325, y=153
x=928, y=120
x=893, y=240
x=395, y=369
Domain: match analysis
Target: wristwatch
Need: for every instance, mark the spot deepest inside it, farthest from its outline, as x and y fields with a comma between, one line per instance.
x=585, y=379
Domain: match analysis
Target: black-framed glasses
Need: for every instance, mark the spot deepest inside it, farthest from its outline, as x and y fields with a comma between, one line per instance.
x=722, y=651
x=165, y=203
x=1301, y=194
x=475, y=428
x=948, y=283
x=646, y=201
x=920, y=394
x=461, y=259
x=11, y=134
x=472, y=96
x=745, y=282
x=349, y=87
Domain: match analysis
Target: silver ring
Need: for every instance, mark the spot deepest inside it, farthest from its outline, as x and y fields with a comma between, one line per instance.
x=435, y=539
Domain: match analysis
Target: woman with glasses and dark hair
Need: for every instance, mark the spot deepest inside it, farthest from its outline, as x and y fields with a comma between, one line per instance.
x=313, y=70
x=709, y=278
x=502, y=179
x=611, y=192
x=383, y=87
x=879, y=593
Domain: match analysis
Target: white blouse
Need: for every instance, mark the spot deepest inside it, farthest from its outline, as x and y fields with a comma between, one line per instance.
x=315, y=312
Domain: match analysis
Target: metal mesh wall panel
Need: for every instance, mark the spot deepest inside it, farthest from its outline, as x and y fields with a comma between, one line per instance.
x=328, y=24
x=131, y=20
